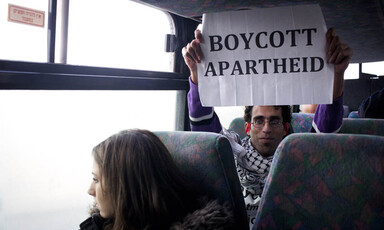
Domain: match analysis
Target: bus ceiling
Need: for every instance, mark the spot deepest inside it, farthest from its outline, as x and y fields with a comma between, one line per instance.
x=359, y=23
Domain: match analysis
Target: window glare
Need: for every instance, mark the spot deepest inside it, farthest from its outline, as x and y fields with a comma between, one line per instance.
x=118, y=33
x=46, y=139
x=375, y=68
x=46, y=136
x=352, y=72
x=23, y=42
x=228, y=113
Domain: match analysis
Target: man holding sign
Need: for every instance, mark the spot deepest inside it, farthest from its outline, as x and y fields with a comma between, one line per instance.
x=265, y=125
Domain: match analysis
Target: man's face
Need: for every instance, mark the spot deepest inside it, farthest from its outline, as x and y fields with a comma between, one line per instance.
x=265, y=138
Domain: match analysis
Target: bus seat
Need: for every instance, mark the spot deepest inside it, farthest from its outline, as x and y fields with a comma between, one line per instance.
x=325, y=181
x=354, y=114
x=363, y=126
x=346, y=111
x=237, y=125
x=302, y=122
x=207, y=160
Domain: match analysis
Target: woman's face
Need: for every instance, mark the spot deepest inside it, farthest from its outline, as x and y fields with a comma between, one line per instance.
x=102, y=200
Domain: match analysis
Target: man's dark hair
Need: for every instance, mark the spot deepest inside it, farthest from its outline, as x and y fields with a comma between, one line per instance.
x=285, y=112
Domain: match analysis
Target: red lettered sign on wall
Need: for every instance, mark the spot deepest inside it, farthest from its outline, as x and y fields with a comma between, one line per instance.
x=25, y=15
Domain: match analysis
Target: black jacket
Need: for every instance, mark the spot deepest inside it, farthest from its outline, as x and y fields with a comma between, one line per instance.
x=212, y=216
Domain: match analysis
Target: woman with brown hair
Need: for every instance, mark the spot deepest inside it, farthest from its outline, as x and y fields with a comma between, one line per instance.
x=136, y=185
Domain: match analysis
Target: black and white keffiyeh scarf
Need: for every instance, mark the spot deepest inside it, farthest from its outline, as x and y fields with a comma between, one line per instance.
x=252, y=169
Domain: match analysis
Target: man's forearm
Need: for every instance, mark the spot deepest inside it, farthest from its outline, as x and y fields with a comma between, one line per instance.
x=201, y=118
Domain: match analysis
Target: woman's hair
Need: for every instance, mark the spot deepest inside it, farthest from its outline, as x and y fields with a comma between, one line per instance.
x=144, y=184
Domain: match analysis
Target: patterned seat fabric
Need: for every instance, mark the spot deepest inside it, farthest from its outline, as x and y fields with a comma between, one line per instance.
x=325, y=181
x=302, y=122
x=346, y=111
x=237, y=125
x=207, y=161
x=354, y=114
x=363, y=126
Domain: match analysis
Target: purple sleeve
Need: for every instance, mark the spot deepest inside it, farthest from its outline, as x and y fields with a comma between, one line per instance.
x=201, y=118
x=329, y=118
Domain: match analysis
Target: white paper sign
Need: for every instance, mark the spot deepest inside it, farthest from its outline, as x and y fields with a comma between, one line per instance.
x=267, y=56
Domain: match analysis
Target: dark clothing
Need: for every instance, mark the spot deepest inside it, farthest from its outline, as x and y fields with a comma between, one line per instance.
x=211, y=217
x=373, y=106
x=95, y=222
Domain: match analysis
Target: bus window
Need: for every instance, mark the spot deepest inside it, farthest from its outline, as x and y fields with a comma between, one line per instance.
x=352, y=72
x=46, y=136
x=228, y=113
x=375, y=68
x=20, y=41
x=105, y=33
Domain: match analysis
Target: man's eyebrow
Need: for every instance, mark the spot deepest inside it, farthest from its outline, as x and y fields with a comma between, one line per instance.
x=258, y=117
x=269, y=118
x=274, y=117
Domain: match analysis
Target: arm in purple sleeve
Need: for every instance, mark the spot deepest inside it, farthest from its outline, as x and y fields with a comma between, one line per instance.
x=329, y=118
x=201, y=118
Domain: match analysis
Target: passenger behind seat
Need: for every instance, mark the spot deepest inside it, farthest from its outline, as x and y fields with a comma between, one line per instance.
x=373, y=106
